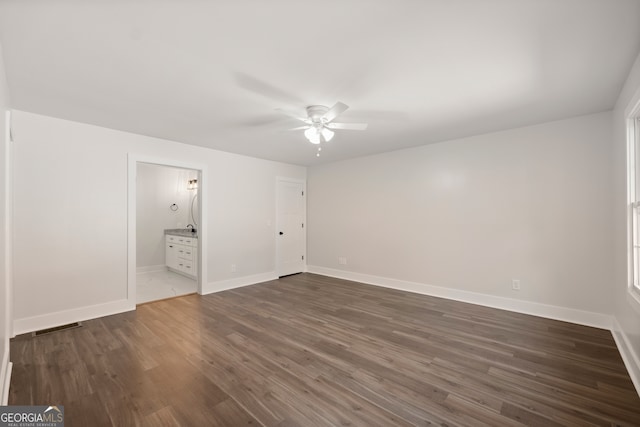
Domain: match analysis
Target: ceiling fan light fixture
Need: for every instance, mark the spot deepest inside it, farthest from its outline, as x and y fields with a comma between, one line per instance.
x=312, y=135
x=320, y=126
x=327, y=134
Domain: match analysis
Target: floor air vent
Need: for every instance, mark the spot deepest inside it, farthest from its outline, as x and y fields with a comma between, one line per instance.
x=57, y=328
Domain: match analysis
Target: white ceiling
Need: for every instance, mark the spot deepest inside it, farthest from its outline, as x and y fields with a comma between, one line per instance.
x=211, y=73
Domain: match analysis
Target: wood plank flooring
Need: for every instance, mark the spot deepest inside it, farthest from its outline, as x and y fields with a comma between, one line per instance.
x=308, y=350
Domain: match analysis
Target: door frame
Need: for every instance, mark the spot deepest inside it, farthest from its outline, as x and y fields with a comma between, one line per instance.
x=280, y=179
x=133, y=160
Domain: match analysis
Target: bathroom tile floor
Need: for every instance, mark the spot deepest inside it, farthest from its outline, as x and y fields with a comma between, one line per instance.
x=156, y=285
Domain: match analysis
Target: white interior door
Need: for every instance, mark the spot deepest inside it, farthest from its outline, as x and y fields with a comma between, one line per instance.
x=290, y=226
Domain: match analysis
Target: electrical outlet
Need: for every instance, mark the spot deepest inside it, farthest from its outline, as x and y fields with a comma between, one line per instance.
x=515, y=284
x=233, y=268
x=342, y=260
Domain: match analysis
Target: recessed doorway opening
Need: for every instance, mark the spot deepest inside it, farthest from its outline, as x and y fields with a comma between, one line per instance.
x=166, y=232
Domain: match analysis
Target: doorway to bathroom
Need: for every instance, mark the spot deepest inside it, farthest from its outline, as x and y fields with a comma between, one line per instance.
x=165, y=230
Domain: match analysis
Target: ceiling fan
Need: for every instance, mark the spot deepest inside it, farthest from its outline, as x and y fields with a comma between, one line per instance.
x=319, y=122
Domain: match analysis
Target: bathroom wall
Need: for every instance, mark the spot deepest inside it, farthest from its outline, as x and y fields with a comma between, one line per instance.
x=158, y=188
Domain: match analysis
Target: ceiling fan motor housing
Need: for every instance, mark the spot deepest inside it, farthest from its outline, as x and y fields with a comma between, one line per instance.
x=316, y=112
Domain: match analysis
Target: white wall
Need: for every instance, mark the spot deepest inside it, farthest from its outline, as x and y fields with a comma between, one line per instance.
x=5, y=273
x=158, y=187
x=71, y=210
x=472, y=214
x=626, y=309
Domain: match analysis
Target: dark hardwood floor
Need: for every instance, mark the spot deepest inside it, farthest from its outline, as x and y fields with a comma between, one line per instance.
x=308, y=350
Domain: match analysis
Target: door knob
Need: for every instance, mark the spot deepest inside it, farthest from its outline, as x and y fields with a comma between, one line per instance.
x=281, y=233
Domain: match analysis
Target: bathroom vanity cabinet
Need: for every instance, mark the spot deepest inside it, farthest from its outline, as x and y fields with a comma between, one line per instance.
x=181, y=254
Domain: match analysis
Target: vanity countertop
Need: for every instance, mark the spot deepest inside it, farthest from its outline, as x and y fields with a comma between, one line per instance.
x=184, y=232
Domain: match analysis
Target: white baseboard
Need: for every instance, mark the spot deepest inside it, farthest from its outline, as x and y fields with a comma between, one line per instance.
x=572, y=315
x=238, y=282
x=629, y=356
x=51, y=320
x=5, y=376
x=151, y=268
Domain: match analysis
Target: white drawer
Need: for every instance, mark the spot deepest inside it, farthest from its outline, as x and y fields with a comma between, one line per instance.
x=185, y=252
x=189, y=241
x=186, y=266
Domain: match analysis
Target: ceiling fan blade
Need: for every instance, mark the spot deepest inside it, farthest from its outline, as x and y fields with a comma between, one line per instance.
x=379, y=115
x=256, y=121
x=265, y=89
x=334, y=112
x=348, y=126
x=299, y=128
x=294, y=115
